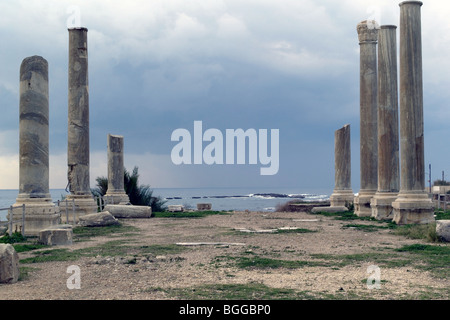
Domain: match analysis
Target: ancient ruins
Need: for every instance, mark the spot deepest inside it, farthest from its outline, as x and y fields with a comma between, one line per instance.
x=412, y=204
x=78, y=124
x=116, y=190
x=34, y=192
x=368, y=37
x=385, y=193
x=342, y=195
x=388, y=143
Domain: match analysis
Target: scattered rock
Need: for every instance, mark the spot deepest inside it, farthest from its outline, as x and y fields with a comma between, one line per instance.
x=100, y=219
x=329, y=209
x=9, y=264
x=443, y=229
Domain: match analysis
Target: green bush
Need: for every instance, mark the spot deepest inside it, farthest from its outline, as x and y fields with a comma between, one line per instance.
x=139, y=195
x=14, y=238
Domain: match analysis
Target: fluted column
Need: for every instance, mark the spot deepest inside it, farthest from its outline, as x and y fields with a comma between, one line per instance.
x=413, y=204
x=368, y=36
x=388, y=136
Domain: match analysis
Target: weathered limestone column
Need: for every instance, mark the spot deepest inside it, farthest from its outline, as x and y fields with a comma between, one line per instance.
x=40, y=212
x=116, y=190
x=342, y=194
x=388, y=143
x=78, y=124
x=368, y=36
x=413, y=204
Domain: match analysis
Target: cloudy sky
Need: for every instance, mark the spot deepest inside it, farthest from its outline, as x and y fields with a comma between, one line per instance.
x=159, y=65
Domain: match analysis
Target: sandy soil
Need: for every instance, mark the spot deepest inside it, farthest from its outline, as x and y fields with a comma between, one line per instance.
x=148, y=277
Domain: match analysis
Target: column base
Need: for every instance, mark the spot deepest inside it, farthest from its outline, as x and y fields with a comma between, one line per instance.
x=84, y=204
x=381, y=205
x=362, y=203
x=116, y=197
x=40, y=213
x=342, y=198
x=413, y=208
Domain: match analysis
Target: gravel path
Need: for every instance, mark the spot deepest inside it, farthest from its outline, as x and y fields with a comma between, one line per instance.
x=140, y=272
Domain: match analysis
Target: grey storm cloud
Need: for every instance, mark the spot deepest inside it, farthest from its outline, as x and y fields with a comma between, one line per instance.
x=155, y=66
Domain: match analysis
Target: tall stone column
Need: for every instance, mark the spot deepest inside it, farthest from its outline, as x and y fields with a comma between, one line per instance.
x=116, y=188
x=368, y=36
x=413, y=204
x=388, y=143
x=40, y=212
x=78, y=124
x=342, y=193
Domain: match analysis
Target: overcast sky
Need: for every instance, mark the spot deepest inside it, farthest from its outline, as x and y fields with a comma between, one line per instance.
x=156, y=66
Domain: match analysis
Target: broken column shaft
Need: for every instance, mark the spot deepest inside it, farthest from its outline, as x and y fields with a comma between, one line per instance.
x=116, y=190
x=342, y=193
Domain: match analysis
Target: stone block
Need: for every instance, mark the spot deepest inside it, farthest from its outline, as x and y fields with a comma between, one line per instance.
x=381, y=205
x=129, y=211
x=204, y=206
x=56, y=236
x=100, y=219
x=413, y=209
x=329, y=209
x=443, y=229
x=175, y=208
x=9, y=264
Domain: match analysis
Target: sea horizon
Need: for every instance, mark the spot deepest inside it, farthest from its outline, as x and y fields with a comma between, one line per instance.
x=221, y=198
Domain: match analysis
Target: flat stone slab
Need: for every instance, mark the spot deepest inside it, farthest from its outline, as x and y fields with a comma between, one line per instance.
x=100, y=219
x=128, y=211
x=9, y=264
x=443, y=229
x=329, y=209
x=188, y=244
x=55, y=236
x=265, y=230
x=256, y=231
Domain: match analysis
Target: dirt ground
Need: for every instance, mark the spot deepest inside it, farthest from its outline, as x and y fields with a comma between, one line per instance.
x=140, y=273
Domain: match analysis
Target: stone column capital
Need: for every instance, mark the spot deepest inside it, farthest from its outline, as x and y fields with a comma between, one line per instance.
x=367, y=31
x=78, y=28
x=419, y=3
x=388, y=26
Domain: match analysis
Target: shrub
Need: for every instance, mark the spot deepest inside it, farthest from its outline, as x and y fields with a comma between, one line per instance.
x=139, y=195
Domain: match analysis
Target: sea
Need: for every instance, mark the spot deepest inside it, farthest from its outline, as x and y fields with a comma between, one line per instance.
x=237, y=198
